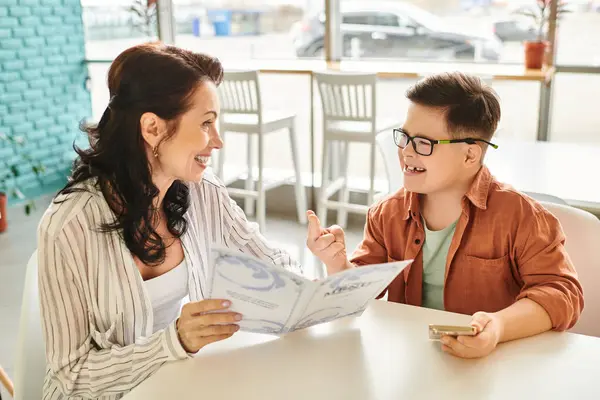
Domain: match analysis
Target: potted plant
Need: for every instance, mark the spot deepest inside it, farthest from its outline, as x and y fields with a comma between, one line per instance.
x=535, y=50
x=9, y=174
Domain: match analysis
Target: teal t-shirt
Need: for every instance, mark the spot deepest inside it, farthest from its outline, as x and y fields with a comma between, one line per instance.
x=435, y=253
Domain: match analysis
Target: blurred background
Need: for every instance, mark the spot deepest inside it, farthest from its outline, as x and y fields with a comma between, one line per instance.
x=453, y=32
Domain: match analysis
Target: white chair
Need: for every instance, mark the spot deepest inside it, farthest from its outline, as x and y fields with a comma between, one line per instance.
x=548, y=198
x=30, y=363
x=349, y=108
x=582, y=231
x=241, y=112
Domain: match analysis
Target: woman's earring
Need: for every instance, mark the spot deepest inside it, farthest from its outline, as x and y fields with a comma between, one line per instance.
x=155, y=151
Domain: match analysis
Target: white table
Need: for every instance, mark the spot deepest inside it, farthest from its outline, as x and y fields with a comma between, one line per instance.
x=567, y=170
x=385, y=354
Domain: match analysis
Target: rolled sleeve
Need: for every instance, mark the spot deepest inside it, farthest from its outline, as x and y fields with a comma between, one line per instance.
x=548, y=273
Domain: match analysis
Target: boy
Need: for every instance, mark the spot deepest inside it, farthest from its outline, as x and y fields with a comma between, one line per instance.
x=479, y=247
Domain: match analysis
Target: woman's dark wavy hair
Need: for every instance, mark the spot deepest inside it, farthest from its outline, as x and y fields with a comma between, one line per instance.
x=155, y=78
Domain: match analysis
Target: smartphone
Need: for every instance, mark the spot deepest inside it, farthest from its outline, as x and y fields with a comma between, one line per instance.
x=437, y=331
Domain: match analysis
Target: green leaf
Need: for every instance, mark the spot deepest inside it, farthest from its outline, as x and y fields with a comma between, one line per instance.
x=27, y=209
x=14, y=170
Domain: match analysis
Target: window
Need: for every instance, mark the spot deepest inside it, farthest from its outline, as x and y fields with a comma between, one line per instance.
x=574, y=113
x=373, y=19
x=112, y=26
x=432, y=30
x=357, y=19
x=386, y=19
x=578, y=37
x=251, y=29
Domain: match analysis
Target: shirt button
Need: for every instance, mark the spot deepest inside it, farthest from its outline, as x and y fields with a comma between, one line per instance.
x=418, y=241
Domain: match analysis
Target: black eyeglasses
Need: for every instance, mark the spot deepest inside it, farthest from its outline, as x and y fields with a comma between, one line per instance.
x=424, y=146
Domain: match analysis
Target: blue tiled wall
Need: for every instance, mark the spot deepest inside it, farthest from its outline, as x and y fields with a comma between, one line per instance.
x=43, y=94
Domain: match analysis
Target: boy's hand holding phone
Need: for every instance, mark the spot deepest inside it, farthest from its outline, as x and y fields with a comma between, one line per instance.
x=489, y=332
x=328, y=244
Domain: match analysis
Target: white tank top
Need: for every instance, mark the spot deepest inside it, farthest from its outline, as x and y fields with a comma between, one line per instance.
x=166, y=295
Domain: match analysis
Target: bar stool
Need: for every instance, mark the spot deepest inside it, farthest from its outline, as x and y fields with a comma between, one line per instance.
x=242, y=112
x=349, y=108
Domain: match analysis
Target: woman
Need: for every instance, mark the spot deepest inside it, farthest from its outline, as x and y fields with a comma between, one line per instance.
x=130, y=235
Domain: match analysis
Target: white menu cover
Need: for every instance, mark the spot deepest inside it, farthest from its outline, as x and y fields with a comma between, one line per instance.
x=275, y=301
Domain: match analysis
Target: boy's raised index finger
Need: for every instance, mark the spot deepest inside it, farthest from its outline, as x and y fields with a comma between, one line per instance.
x=314, y=225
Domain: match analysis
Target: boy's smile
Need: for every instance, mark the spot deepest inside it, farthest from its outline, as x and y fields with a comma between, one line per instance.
x=410, y=169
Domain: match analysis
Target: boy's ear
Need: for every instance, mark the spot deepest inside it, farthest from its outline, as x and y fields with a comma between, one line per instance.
x=473, y=155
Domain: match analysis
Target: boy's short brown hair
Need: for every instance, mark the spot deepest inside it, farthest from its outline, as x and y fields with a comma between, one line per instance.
x=471, y=107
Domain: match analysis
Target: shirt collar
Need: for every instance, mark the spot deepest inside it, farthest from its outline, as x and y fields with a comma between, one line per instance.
x=477, y=194
x=480, y=188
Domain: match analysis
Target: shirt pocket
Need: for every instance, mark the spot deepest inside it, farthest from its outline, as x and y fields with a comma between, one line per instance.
x=503, y=261
x=491, y=278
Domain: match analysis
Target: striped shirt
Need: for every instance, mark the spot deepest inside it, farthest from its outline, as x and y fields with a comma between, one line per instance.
x=97, y=318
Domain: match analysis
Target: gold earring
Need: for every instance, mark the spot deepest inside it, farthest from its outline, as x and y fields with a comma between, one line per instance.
x=155, y=151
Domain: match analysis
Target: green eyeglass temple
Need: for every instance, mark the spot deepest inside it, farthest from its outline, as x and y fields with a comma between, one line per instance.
x=468, y=141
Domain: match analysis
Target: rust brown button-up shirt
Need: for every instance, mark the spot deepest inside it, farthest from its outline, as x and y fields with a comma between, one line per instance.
x=506, y=247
